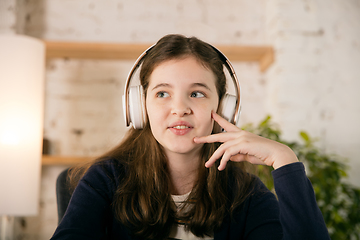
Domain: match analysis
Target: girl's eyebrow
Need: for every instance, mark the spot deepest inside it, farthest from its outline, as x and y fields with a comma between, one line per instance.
x=201, y=85
x=161, y=85
x=170, y=86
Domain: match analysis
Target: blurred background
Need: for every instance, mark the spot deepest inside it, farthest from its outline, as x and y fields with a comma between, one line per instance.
x=313, y=84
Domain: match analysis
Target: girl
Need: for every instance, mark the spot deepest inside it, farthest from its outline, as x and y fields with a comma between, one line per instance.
x=177, y=179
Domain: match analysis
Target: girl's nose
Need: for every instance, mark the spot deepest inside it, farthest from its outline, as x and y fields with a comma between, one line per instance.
x=180, y=108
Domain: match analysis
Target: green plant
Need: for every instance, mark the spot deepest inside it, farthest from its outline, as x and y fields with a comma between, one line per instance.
x=338, y=201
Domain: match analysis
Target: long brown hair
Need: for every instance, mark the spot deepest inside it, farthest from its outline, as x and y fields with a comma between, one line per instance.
x=143, y=201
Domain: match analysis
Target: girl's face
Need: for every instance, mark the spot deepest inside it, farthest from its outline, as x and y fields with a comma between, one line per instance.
x=180, y=98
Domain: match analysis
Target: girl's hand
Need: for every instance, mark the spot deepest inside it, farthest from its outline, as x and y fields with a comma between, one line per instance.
x=239, y=145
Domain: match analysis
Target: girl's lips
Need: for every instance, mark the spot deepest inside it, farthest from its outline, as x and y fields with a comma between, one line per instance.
x=180, y=128
x=180, y=123
x=180, y=132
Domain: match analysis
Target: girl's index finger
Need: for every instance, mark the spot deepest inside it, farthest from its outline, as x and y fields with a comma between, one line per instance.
x=209, y=138
x=227, y=126
x=219, y=137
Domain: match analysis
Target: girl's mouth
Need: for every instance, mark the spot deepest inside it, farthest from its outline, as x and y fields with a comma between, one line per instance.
x=180, y=128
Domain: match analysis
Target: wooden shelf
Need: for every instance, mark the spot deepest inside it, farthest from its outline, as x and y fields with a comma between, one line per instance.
x=264, y=55
x=48, y=160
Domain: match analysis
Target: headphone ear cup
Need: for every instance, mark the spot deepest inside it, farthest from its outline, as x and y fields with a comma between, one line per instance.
x=137, y=106
x=226, y=110
x=227, y=107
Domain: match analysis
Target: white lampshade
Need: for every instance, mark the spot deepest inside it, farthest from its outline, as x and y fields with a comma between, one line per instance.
x=22, y=61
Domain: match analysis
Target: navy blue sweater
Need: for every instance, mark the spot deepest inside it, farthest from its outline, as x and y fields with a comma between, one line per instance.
x=295, y=215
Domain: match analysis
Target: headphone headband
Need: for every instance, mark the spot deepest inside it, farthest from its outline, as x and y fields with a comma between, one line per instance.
x=234, y=119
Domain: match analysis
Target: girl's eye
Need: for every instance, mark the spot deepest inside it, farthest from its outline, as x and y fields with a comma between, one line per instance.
x=197, y=94
x=162, y=95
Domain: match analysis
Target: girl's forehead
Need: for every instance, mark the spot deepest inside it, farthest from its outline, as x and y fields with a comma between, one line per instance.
x=182, y=70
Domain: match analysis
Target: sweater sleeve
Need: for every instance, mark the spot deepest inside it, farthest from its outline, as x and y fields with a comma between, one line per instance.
x=300, y=216
x=89, y=210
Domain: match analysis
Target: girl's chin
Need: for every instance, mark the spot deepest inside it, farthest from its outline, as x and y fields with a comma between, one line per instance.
x=183, y=149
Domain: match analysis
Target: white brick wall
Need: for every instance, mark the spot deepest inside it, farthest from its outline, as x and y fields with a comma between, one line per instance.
x=314, y=83
x=312, y=86
x=8, y=16
x=83, y=109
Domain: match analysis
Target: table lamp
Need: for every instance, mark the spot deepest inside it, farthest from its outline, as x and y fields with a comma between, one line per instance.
x=22, y=62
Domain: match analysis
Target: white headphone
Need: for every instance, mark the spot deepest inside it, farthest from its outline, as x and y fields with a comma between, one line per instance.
x=134, y=98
